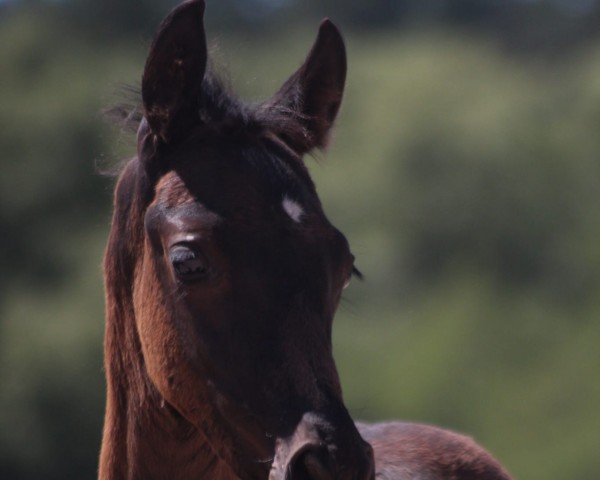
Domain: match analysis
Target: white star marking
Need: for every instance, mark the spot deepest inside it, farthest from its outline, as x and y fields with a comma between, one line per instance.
x=292, y=208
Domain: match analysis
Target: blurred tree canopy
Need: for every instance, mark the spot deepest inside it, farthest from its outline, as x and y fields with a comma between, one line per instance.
x=465, y=171
x=519, y=24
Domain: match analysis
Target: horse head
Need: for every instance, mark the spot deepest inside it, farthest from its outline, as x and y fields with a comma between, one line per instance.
x=229, y=270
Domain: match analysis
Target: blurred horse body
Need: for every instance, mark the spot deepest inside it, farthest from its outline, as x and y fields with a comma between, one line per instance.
x=222, y=277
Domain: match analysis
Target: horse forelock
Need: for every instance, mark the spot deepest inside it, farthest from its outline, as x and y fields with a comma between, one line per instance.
x=223, y=113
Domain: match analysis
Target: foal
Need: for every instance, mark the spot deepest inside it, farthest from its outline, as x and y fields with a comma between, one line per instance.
x=222, y=277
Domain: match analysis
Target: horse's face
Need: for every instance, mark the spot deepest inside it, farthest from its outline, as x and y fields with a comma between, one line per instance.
x=241, y=272
x=250, y=271
x=246, y=272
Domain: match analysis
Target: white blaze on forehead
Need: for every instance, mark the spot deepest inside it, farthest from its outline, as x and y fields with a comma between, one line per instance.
x=292, y=208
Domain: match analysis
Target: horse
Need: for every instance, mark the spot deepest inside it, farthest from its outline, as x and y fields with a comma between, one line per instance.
x=222, y=277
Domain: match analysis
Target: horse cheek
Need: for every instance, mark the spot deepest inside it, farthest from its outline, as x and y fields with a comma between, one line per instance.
x=166, y=360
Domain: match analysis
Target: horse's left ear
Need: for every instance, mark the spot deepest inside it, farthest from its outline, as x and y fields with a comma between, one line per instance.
x=312, y=96
x=172, y=80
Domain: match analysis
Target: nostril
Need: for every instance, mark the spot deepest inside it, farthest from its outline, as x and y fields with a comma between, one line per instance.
x=311, y=463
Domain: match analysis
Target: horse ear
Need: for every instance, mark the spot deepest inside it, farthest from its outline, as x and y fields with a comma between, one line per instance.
x=312, y=96
x=172, y=80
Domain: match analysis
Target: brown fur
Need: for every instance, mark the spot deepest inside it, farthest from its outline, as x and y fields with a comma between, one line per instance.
x=143, y=437
x=408, y=451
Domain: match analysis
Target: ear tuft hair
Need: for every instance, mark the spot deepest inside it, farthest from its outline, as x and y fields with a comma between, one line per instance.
x=312, y=96
x=172, y=80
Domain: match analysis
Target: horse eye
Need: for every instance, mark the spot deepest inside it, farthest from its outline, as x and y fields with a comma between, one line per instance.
x=189, y=264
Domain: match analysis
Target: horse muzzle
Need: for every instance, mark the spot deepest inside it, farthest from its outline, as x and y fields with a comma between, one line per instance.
x=322, y=450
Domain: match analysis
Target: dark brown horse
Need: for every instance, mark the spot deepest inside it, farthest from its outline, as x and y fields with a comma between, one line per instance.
x=222, y=279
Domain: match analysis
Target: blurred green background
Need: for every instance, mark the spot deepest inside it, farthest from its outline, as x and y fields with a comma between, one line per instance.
x=465, y=171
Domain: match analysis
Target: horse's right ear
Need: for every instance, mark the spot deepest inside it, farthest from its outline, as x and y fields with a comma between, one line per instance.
x=312, y=96
x=172, y=80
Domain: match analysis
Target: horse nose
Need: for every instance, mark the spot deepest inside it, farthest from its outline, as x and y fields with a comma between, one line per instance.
x=312, y=462
x=317, y=463
x=318, y=450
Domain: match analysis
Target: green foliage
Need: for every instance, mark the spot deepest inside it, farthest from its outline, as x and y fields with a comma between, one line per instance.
x=54, y=213
x=466, y=180
x=471, y=209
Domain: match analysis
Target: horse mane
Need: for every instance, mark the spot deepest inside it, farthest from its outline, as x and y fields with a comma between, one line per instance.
x=222, y=113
